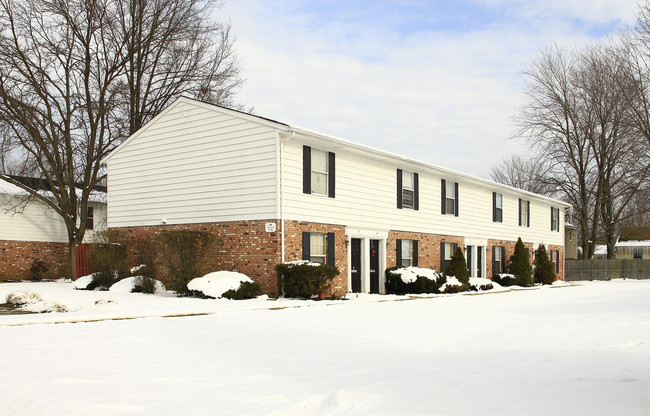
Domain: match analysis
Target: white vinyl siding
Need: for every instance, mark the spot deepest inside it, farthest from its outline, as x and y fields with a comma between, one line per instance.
x=196, y=164
x=37, y=222
x=365, y=198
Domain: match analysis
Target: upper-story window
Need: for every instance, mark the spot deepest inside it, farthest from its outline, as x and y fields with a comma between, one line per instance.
x=524, y=213
x=497, y=207
x=407, y=189
x=318, y=176
x=449, y=201
x=555, y=219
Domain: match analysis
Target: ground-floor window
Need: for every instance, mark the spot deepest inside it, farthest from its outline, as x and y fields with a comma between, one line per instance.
x=318, y=247
x=407, y=253
x=446, y=252
x=498, y=259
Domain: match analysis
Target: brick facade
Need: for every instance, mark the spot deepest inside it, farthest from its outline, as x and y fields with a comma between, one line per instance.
x=16, y=257
x=293, y=248
x=244, y=247
x=428, y=247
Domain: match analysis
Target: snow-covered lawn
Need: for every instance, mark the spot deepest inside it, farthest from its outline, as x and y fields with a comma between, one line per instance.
x=572, y=350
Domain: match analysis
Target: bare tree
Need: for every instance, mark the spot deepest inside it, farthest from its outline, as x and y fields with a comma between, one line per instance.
x=77, y=77
x=529, y=174
x=556, y=123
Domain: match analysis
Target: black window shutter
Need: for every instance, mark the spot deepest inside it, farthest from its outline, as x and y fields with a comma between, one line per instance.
x=331, y=257
x=494, y=207
x=399, y=188
x=520, y=211
x=415, y=253
x=306, y=247
x=503, y=259
x=443, y=193
x=457, y=198
x=552, y=229
x=416, y=192
x=442, y=257
x=527, y=213
x=306, y=169
x=331, y=174
x=454, y=249
x=494, y=263
x=398, y=252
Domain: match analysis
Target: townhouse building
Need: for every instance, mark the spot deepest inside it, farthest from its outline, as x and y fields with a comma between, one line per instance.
x=273, y=192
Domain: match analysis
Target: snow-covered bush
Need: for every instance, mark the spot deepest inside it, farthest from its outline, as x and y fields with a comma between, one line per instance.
x=479, y=284
x=138, y=284
x=226, y=284
x=247, y=290
x=504, y=279
x=304, y=279
x=403, y=280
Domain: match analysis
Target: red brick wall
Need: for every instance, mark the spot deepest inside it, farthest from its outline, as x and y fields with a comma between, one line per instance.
x=16, y=257
x=560, y=274
x=293, y=248
x=428, y=247
x=245, y=247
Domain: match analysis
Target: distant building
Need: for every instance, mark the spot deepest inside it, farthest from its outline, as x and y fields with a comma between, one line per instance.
x=30, y=231
x=570, y=241
x=633, y=243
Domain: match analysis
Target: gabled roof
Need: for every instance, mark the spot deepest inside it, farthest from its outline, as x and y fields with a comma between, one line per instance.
x=306, y=133
x=634, y=236
x=98, y=193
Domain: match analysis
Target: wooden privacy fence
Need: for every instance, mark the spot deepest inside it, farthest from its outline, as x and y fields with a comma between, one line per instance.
x=606, y=269
x=81, y=260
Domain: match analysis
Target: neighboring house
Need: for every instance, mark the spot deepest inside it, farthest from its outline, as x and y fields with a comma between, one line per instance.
x=273, y=192
x=571, y=241
x=633, y=243
x=31, y=231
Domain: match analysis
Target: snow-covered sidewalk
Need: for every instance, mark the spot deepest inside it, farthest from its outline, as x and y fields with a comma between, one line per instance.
x=583, y=349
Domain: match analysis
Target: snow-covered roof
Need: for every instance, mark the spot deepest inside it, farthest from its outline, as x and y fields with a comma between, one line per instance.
x=96, y=195
x=600, y=250
x=633, y=243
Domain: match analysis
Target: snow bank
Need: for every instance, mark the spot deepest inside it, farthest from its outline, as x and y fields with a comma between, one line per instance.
x=128, y=285
x=410, y=274
x=32, y=302
x=215, y=284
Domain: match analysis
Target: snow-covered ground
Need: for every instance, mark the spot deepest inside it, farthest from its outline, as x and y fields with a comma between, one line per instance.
x=568, y=350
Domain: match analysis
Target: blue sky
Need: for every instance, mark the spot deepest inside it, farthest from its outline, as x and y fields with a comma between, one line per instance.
x=438, y=81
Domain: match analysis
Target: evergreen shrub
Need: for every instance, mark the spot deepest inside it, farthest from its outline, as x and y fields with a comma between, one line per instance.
x=504, y=279
x=107, y=259
x=247, y=290
x=303, y=279
x=519, y=265
x=544, y=273
x=187, y=255
x=38, y=270
x=458, y=267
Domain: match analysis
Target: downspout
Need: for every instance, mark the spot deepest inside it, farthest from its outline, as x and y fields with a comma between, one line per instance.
x=281, y=196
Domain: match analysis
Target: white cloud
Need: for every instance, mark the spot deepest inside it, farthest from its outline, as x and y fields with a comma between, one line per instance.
x=447, y=98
